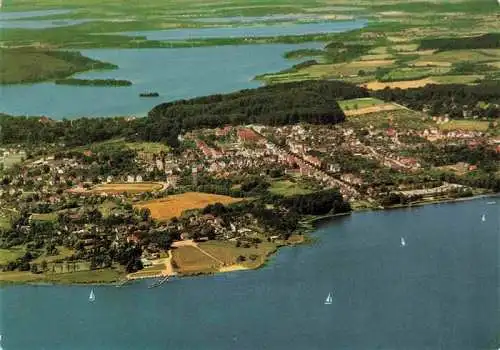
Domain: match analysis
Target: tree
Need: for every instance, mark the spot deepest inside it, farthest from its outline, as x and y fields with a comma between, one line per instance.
x=44, y=265
x=34, y=268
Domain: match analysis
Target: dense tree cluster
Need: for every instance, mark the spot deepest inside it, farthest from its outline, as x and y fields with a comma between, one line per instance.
x=317, y=203
x=456, y=100
x=281, y=104
x=485, y=41
x=310, y=101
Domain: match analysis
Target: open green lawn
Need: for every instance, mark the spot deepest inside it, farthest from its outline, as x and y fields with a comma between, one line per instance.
x=12, y=159
x=148, y=147
x=356, y=103
x=44, y=217
x=10, y=254
x=472, y=125
x=457, y=79
x=5, y=222
x=89, y=276
x=63, y=252
x=106, y=208
x=288, y=188
x=400, y=74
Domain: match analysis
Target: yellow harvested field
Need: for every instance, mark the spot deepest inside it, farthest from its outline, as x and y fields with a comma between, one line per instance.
x=372, y=63
x=376, y=85
x=376, y=57
x=127, y=187
x=173, y=206
x=431, y=64
x=372, y=109
x=191, y=260
x=420, y=52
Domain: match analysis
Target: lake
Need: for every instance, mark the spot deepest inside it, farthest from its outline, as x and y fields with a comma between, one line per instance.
x=41, y=24
x=440, y=291
x=173, y=73
x=281, y=29
x=28, y=14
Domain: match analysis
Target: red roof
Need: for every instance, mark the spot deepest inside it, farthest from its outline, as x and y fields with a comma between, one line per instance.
x=247, y=135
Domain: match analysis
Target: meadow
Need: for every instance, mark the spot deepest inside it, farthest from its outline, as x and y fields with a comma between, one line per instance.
x=288, y=188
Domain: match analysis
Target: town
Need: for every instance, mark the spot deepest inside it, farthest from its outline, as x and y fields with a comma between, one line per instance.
x=226, y=197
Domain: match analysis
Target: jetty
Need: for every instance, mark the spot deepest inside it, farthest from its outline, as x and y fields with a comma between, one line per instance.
x=160, y=282
x=121, y=283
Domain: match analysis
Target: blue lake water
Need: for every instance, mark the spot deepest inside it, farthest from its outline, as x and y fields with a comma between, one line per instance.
x=41, y=24
x=27, y=14
x=254, y=19
x=438, y=292
x=251, y=31
x=173, y=73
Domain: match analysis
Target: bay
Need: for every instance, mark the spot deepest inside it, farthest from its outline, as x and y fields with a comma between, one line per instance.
x=440, y=291
x=173, y=73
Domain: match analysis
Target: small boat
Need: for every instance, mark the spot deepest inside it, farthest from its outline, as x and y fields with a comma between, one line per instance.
x=403, y=242
x=92, y=295
x=149, y=94
x=483, y=218
x=329, y=299
x=492, y=202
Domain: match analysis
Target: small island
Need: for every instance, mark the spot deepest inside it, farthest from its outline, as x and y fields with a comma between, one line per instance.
x=149, y=94
x=93, y=82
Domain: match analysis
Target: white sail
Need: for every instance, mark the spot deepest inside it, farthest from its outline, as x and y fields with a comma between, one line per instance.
x=403, y=242
x=329, y=299
x=91, y=296
x=483, y=218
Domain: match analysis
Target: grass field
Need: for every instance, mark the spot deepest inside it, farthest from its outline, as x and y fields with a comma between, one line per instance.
x=126, y=187
x=44, y=217
x=400, y=74
x=90, y=276
x=288, y=188
x=12, y=159
x=190, y=260
x=4, y=221
x=63, y=252
x=228, y=252
x=376, y=85
x=470, y=125
x=173, y=206
x=357, y=103
x=457, y=79
x=148, y=147
x=368, y=110
x=10, y=254
x=28, y=65
x=403, y=117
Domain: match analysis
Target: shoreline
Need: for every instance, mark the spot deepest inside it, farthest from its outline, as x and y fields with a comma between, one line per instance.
x=312, y=222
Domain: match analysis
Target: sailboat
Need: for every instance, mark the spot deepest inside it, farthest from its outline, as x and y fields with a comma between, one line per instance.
x=329, y=299
x=91, y=296
x=483, y=218
x=403, y=242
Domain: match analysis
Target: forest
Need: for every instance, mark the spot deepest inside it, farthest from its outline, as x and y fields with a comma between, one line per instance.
x=456, y=100
x=485, y=41
x=93, y=82
x=282, y=104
